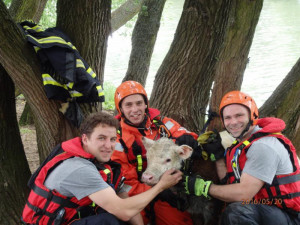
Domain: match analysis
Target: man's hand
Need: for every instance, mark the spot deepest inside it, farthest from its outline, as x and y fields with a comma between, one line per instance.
x=211, y=143
x=169, y=178
x=197, y=186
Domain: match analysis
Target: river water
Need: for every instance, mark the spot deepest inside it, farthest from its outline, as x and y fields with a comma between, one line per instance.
x=274, y=51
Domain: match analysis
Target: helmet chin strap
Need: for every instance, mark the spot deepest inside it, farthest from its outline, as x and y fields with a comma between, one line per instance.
x=245, y=130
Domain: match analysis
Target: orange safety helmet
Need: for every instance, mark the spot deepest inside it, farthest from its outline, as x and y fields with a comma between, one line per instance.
x=129, y=88
x=238, y=97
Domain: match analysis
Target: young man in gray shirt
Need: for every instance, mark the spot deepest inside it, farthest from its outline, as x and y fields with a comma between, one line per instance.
x=261, y=167
x=80, y=175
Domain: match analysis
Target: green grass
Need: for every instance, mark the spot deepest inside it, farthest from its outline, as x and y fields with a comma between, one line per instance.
x=25, y=130
x=109, y=92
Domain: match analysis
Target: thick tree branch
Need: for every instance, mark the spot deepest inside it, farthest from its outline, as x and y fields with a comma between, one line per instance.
x=125, y=13
x=284, y=103
x=143, y=40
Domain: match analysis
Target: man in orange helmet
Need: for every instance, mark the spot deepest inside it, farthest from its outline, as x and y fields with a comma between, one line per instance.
x=262, y=169
x=138, y=120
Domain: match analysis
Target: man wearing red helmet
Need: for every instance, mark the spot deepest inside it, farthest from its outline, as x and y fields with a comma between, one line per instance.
x=138, y=120
x=263, y=172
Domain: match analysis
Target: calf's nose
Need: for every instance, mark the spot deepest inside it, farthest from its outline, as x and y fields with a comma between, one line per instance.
x=147, y=178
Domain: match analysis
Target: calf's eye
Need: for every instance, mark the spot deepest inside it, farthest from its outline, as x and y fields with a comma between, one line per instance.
x=168, y=160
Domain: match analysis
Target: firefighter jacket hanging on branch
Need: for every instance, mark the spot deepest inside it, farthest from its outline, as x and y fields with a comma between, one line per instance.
x=66, y=76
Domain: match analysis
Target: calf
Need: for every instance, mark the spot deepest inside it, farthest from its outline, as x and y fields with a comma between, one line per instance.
x=164, y=154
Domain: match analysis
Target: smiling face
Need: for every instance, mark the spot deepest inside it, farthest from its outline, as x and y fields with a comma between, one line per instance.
x=101, y=142
x=236, y=119
x=133, y=108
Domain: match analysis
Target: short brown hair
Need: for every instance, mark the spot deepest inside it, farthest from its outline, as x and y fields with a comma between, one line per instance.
x=94, y=119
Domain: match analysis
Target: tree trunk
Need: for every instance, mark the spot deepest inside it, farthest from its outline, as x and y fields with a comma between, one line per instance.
x=143, y=40
x=284, y=103
x=27, y=9
x=183, y=82
x=21, y=10
x=233, y=59
x=14, y=169
x=13, y=163
x=125, y=13
x=92, y=20
x=89, y=31
x=20, y=62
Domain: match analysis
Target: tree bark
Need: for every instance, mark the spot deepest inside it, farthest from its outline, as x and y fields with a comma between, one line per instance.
x=20, y=62
x=89, y=31
x=284, y=103
x=21, y=10
x=14, y=169
x=125, y=13
x=244, y=16
x=183, y=82
x=143, y=40
x=27, y=9
x=92, y=20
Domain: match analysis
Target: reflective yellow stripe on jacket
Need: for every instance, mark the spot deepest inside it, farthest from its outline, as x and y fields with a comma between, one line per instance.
x=48, y=80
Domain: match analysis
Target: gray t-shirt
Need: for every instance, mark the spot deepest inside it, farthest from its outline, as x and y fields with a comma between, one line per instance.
x=76, y=177
x=266, y=158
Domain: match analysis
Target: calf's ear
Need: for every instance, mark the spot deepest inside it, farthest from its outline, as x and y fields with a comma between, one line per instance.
x=184, y=151
x=147, y=142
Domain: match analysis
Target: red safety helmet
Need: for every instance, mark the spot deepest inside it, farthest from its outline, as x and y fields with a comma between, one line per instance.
x=238, y=97
x=129, y=88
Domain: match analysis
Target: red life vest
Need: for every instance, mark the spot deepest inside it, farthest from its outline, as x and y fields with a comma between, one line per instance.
x=156, y=127
x=44, y=205
x=284, y=192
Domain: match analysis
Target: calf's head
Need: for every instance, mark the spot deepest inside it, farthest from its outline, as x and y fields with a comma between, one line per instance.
x=162, y=155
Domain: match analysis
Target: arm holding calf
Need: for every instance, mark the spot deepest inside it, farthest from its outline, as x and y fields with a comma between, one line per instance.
x=126, y=208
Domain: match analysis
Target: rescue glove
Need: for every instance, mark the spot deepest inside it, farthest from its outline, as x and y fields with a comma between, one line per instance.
x=212, y=147
x=196, y=185
x=187, y=139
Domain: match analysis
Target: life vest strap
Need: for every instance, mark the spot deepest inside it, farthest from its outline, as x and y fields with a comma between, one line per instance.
x=289, y=196
x=65, y=202
x=38, y=212
x=136, y=161
x=245, y=146
x=288, y=179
